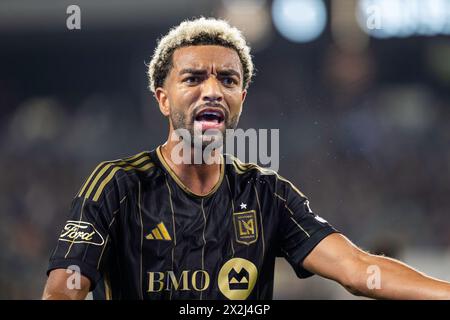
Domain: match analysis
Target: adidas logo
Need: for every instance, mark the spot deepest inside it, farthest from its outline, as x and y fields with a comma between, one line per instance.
x=159, y=233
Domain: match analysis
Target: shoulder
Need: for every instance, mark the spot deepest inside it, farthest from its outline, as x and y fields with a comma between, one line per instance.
x=248, y=171
x=242, y=168
x=119, y=174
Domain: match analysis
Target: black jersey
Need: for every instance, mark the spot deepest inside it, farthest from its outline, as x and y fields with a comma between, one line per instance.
x=137, y=232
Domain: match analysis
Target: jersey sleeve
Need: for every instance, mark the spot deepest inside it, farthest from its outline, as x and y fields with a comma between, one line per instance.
x=300, y=229
x=84, y=242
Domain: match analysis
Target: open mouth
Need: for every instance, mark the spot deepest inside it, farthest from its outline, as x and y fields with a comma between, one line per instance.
x=210, y=115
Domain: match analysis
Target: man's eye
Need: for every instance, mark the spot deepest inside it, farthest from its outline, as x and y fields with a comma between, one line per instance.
x=192, y=80
x=228, y=81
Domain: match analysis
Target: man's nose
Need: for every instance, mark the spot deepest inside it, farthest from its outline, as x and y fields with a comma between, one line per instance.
x=211, y=90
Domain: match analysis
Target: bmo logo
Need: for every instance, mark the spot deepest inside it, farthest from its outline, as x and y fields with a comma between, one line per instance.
x=197, y=280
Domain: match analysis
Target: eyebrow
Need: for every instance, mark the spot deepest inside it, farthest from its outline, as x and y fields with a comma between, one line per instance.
x=229, y=72
x=192, y=71
x=225, y=72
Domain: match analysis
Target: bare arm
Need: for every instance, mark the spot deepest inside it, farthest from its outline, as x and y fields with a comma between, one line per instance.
x=338, y=259
x=57, y=288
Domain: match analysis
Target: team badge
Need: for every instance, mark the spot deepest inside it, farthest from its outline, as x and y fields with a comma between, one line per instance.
x=245, y=227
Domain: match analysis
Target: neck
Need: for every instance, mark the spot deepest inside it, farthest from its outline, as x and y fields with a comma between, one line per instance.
x=200, y=178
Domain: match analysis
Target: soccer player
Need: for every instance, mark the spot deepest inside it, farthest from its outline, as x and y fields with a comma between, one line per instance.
x=152, y=227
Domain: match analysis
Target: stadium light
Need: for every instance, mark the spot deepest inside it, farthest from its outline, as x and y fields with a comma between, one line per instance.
x=299, y=20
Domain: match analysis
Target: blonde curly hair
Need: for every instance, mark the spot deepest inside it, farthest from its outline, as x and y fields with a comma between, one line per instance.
x=201, y=31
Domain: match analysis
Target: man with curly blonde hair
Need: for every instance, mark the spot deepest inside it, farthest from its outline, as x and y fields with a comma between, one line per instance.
x=152, y=227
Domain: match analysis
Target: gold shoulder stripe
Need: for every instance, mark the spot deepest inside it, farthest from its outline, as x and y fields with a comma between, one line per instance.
x=291, y=185
x=238, y=170
x=106, y=168
x=90, y=177
x=111, y=175
x=237, y=165
x=135, y=156
x=95, y=172
x=244, y=167
x=241, y=165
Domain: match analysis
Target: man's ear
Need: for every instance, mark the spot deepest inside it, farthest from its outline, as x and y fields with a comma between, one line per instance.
x=244, y=94
x=163, y=101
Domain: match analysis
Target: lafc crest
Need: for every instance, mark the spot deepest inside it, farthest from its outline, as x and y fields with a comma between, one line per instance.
x=245, y=227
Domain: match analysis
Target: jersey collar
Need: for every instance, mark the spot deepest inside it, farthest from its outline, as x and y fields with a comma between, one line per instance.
x=181, y=184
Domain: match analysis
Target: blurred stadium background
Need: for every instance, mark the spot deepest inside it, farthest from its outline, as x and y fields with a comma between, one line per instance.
x=359, y=89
